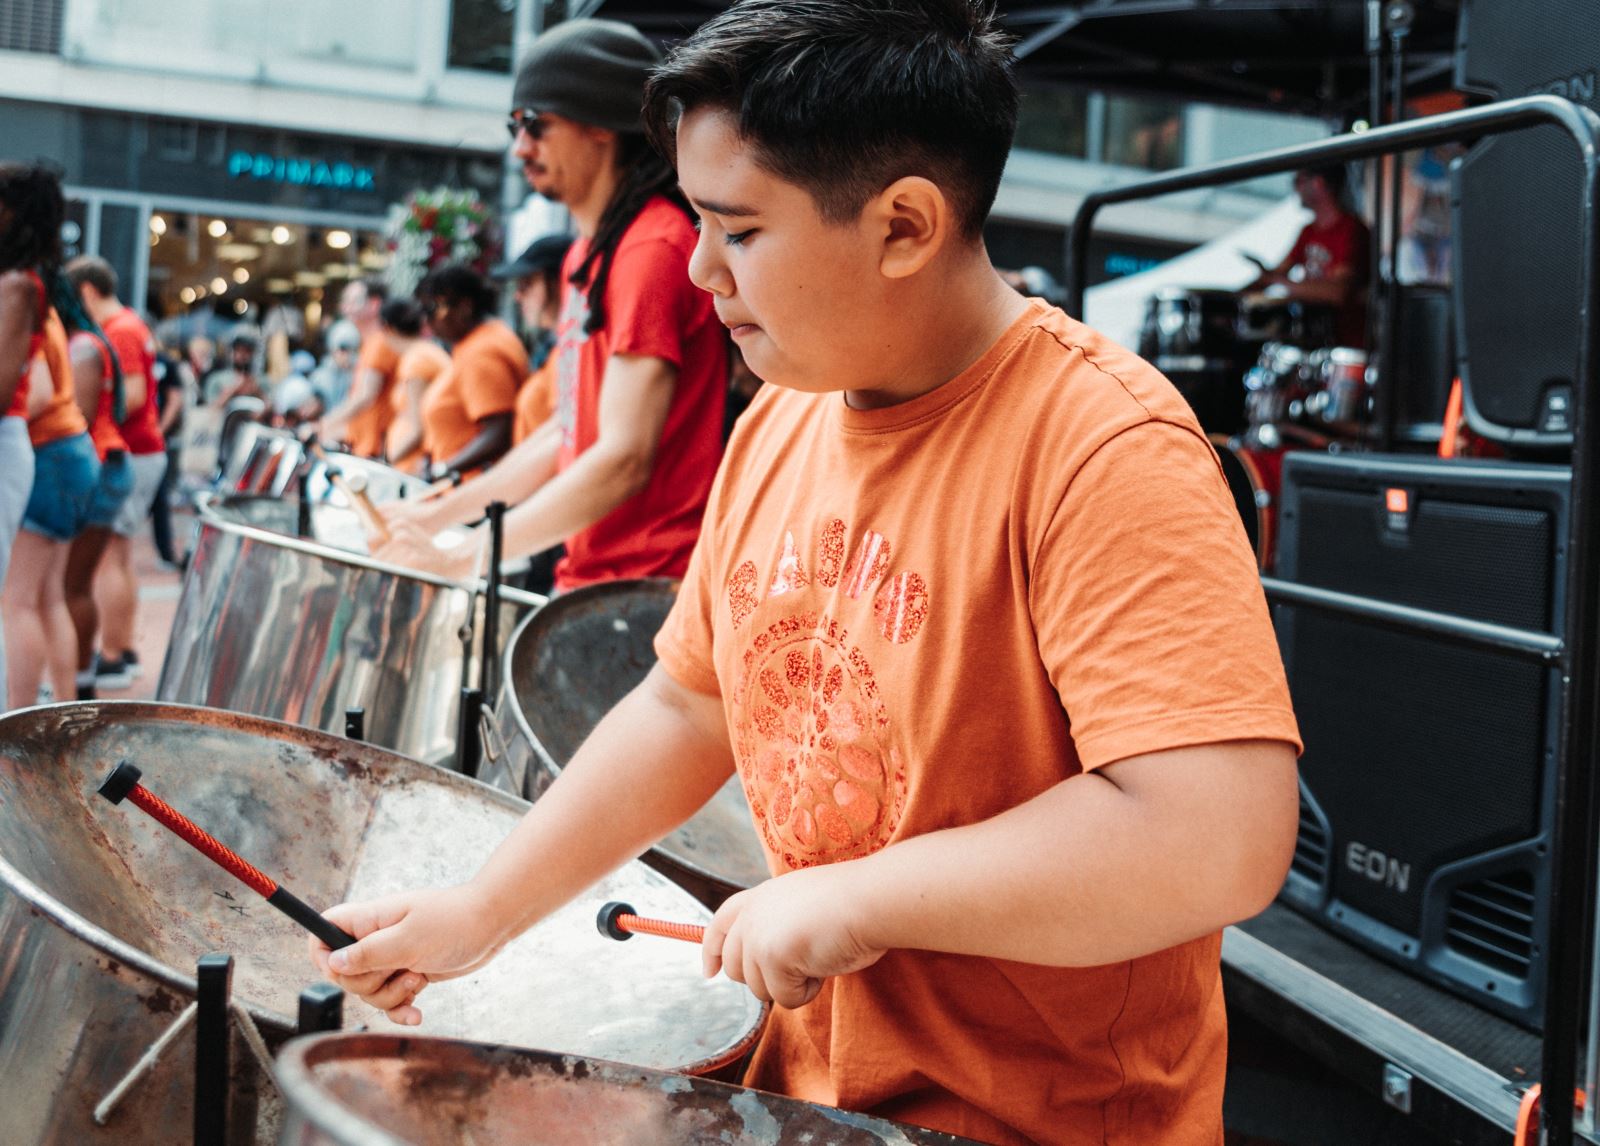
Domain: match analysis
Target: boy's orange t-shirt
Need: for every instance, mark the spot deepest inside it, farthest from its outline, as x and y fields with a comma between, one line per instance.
x=536, y=401
x=486, y=367
x=369, y=426
x=423, y=361
x=921, y=616
x=61, y=417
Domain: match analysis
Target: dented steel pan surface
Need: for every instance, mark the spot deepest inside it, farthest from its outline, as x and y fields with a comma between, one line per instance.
x=388, y=1090
x=103, y=915
x=568, y=665
x=303, y=629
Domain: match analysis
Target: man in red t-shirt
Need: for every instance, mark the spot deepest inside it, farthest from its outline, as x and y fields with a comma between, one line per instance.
x=623, y=469
x=115, y=586
x=1330, y=262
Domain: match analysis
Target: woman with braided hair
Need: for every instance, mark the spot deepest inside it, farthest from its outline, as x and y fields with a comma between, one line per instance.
x=622, y=470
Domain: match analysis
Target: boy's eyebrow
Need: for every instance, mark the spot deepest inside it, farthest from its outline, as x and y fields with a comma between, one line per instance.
x=733, y=210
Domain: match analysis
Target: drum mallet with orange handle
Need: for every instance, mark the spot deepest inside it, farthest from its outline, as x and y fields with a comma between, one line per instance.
x=620, y=921
x=123, y=783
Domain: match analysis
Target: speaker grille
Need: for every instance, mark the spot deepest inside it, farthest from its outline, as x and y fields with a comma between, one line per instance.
x=1310, y=847
x=1492, y=921
x=1485, y=562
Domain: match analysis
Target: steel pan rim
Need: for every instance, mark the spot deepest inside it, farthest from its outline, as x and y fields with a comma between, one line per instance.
x=99, y=939
x=547, y=762
x=477, y=586
x=297, y=1061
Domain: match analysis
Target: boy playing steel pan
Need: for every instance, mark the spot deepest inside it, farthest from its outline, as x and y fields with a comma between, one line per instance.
x=971, y=613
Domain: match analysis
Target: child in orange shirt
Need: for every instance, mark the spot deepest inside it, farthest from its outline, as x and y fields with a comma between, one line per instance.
x=971, y=614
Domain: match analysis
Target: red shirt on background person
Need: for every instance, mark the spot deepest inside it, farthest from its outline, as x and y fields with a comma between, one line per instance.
x=653, y=310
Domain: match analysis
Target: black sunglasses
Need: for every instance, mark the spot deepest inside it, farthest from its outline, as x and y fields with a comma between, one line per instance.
x=528, y=120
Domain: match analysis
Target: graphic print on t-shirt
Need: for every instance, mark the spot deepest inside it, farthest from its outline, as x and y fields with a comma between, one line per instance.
x=571, y=333
x=811, y=731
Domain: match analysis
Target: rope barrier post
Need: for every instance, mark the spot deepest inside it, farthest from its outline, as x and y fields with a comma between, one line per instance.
x=321, y=1009
x=355, y=722
x=469, y=748
x=212, y=1049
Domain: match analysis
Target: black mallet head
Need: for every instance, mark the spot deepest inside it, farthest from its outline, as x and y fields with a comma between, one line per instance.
x=607, y=920
x=124, y=778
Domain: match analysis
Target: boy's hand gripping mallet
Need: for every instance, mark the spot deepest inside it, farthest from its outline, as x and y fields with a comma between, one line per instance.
x=124, y=783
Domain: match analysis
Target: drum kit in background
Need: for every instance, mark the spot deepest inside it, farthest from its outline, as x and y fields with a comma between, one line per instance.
x=1264, y=377
x=287, y=633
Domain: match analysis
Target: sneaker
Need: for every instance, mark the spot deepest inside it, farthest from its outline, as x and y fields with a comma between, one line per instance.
x=86, y=685
x=130, y=661
x=113, y=674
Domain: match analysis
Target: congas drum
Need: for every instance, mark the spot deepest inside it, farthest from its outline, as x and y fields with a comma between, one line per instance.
x=363, y=1089
x=105, y=915
x=1255, y=478
x=302, y=629
x=567, y=666
x=1189, y=335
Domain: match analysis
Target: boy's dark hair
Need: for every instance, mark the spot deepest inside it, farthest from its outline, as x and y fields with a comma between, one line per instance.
x=94, y=271
x=454, y=282
x=404, y=316
x=843, y=98
x=376, y=288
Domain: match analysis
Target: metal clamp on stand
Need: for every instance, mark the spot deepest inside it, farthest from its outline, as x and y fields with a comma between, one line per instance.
x=355, y=723
x=321, y=1009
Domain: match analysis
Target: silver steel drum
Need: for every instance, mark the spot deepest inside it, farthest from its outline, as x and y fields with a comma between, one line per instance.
x=104, y=915
x=260, y=460
x=382, y=482
x=241, y=427
x=302, y=630
x=567, y=666
x=385, y=1090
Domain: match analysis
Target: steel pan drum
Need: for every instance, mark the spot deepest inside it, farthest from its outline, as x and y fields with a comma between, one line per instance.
x=567, y=666
x=365, y=1090
x=104, y=914
x=301, y=630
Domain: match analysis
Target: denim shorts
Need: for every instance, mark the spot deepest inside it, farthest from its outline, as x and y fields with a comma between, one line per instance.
x=65, y=474
x=113, y=488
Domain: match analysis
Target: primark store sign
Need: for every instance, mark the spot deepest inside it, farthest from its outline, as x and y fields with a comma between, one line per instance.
x=296, y=171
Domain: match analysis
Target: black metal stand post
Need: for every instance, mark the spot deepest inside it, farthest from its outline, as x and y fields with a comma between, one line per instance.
x=321, y=1009
x=212, y=1046
x=1374, y=167
x=1398, y=15
x=355, y=723
x=489, y=678
x=469, y=747
x=303, y=510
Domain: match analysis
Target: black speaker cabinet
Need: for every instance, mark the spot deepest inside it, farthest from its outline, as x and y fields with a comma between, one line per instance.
x=1518, y=210
x=1427, y=779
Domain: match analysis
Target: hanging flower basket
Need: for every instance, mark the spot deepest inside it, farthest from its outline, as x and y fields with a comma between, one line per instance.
x=434, y=227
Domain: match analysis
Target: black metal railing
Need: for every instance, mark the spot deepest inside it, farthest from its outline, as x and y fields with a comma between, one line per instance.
x=1573, y=831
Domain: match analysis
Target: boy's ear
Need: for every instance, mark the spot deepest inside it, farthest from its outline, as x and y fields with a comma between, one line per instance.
x=917, y=221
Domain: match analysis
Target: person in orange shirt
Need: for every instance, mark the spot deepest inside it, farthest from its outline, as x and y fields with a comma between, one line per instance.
x=362, y=419
x=535, y=276
x=66, y=471
x=467, y=413
x=419, y=363
x=971, y=616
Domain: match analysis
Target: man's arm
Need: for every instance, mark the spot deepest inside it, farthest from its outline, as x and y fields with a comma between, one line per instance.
x=1134, y=858
x=647, y=767
x=487, y=446
x=364, y=391
x=529, y=464
x=171, y=409
x=17, y=321
x=634, y=400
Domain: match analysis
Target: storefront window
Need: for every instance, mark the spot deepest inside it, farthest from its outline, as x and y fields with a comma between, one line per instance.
x=1144, y=133
x=209, y=272
x=1054, y=120
x=481, y=32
